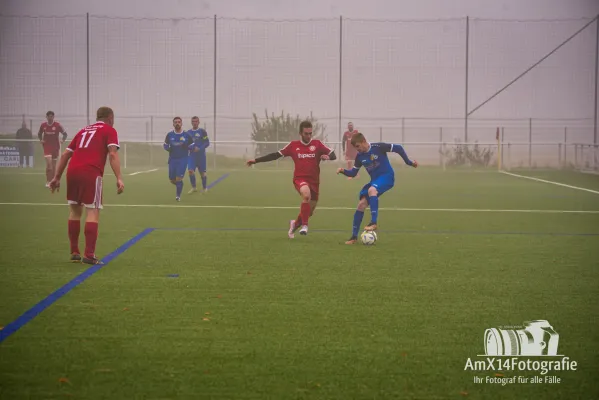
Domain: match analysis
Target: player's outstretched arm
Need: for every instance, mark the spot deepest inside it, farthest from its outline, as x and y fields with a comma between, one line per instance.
x=269, y=157
x=115, y=164
x=350, y=172
x=62, y=164
x=399, y=149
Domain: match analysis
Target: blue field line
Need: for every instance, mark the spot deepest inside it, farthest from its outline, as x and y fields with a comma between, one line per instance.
x=211, y=185
x=48, y=301
x=427, y=232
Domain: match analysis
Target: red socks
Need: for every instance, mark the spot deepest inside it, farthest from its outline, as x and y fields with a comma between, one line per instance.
x=304, y=213
x=91, y=236
x=74, y=228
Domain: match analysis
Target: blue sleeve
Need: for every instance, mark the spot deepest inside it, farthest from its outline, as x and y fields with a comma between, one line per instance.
x=398, y=149
x=204, y=139
x=354, y=171
x=166, y=146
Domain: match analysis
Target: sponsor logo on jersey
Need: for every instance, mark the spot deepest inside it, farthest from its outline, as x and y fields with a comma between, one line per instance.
x=300, y=155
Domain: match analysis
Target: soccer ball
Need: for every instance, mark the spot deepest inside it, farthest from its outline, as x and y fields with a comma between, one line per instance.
x=368, y=237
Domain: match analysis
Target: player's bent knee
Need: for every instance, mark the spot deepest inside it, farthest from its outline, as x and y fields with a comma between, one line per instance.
x=372, y=191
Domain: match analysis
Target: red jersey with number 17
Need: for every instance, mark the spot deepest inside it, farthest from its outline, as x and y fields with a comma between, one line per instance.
x=90, y=148
x=306, y=158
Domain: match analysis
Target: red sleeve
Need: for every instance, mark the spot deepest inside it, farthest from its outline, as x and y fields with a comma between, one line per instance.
x=324, y=149
x=113, y=138
x=286, y=151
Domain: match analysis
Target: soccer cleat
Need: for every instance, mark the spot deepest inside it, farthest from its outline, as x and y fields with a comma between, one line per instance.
x=92, y=261
x=304, y=230
x=371, y=227
x=291, y=232
x=206, y=190
x=47, y=184
x=192, y=190
x=178, y=198
x=75, y=258
x=352, y=240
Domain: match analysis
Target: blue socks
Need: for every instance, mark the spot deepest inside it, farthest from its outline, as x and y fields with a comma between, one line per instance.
x=204, y=180
x=179, y=185
x=192, y=179
x=374, y=208
x=357, y=222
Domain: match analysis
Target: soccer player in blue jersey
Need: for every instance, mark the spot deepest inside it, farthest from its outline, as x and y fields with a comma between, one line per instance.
x=373, y=157
x=177, y=143
x=197, y=154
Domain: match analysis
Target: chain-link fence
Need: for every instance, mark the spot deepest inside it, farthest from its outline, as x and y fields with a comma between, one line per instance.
x=402, y=81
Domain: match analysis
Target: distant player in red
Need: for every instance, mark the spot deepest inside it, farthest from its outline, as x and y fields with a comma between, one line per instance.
x=87, y=152
x=306, y=154
x=48, y=135
x=349, y=150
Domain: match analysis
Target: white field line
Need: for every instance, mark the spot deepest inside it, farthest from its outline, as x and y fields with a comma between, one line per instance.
x=550, y=182
x=143, y=172
x=449, y=210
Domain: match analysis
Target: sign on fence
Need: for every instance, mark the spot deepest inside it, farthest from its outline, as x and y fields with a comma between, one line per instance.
x=9, y=156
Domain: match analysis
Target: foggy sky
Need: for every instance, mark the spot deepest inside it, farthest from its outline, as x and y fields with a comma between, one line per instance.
x=390, y=70
x=396, y=9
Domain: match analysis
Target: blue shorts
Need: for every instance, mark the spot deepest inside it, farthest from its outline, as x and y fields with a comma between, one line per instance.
x=197, y=160
x=382, y=184
x=176, y=168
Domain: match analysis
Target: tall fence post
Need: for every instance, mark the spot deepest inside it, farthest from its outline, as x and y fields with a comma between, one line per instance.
x=467, y=78
x=214, y=101
x=88, y=105
x=340, y=74
x=596, y=88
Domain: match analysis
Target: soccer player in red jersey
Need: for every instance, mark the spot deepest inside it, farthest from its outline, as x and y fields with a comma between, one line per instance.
x=349, y=150
x=48, y=135
x=306, y=154
x=87, y=152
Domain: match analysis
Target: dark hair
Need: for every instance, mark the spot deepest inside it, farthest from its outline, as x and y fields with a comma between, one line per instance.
x=303, y=125
x=49, y=113
x=179, y=118
x=195, y=117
